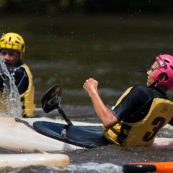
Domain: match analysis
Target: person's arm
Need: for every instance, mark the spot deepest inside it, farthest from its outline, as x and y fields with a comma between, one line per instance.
x=21, y=78
x=1, y=83
x=105, y=115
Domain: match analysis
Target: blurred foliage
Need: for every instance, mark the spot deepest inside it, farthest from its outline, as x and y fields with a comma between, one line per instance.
x=85, y=6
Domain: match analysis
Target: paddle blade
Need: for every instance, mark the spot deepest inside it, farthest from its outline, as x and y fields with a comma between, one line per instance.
x=51, y=99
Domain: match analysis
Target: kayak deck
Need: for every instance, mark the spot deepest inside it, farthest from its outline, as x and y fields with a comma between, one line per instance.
x=83, y=137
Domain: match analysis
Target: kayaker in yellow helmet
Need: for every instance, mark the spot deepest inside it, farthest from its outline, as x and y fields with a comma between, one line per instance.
x=12, y=50
x=142, y=111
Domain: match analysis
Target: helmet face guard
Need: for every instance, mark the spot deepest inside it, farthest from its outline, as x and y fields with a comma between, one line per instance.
x=13, y=41
x=165, y=67
x=146, y=66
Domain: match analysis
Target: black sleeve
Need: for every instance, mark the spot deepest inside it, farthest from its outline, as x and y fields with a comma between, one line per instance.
x=171, y=122
x=134, y=106
x=21, y=78
x=1, y=83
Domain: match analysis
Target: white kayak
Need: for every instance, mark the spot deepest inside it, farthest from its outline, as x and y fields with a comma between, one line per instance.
x=18, y=136
x=23, y=160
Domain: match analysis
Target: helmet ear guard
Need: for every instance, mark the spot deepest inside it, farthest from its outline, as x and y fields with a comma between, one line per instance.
x=165, y=62
x=13, y=41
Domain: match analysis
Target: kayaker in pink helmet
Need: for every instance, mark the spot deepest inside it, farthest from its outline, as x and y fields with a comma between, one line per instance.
x=142, y=111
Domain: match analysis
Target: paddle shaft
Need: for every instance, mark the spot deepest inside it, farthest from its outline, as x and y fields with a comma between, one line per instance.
x=60, y=110
x=148, y=167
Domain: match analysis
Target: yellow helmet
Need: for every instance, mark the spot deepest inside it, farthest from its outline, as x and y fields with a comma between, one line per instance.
x=13, y=41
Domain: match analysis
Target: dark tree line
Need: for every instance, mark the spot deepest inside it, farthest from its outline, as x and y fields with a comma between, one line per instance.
x=86, y=6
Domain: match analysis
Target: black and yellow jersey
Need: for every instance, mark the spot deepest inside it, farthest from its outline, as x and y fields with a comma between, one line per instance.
x=142, y=112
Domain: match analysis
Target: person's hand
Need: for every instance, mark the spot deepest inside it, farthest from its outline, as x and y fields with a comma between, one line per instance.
x=91, y=86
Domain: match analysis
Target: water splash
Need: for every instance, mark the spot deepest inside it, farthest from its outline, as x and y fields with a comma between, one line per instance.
x=10, y=105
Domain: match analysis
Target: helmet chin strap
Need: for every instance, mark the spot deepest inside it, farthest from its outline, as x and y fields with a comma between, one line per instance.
x=154, y=83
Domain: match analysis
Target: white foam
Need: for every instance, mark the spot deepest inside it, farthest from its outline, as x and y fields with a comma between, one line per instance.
x=94, y=167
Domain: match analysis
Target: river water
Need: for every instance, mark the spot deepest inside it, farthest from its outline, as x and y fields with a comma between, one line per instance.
x=67, y=50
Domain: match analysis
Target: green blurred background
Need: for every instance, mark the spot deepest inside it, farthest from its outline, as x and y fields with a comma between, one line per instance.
x=69, y=41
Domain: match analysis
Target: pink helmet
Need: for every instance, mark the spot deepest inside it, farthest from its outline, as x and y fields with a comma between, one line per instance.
x=165, y=66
